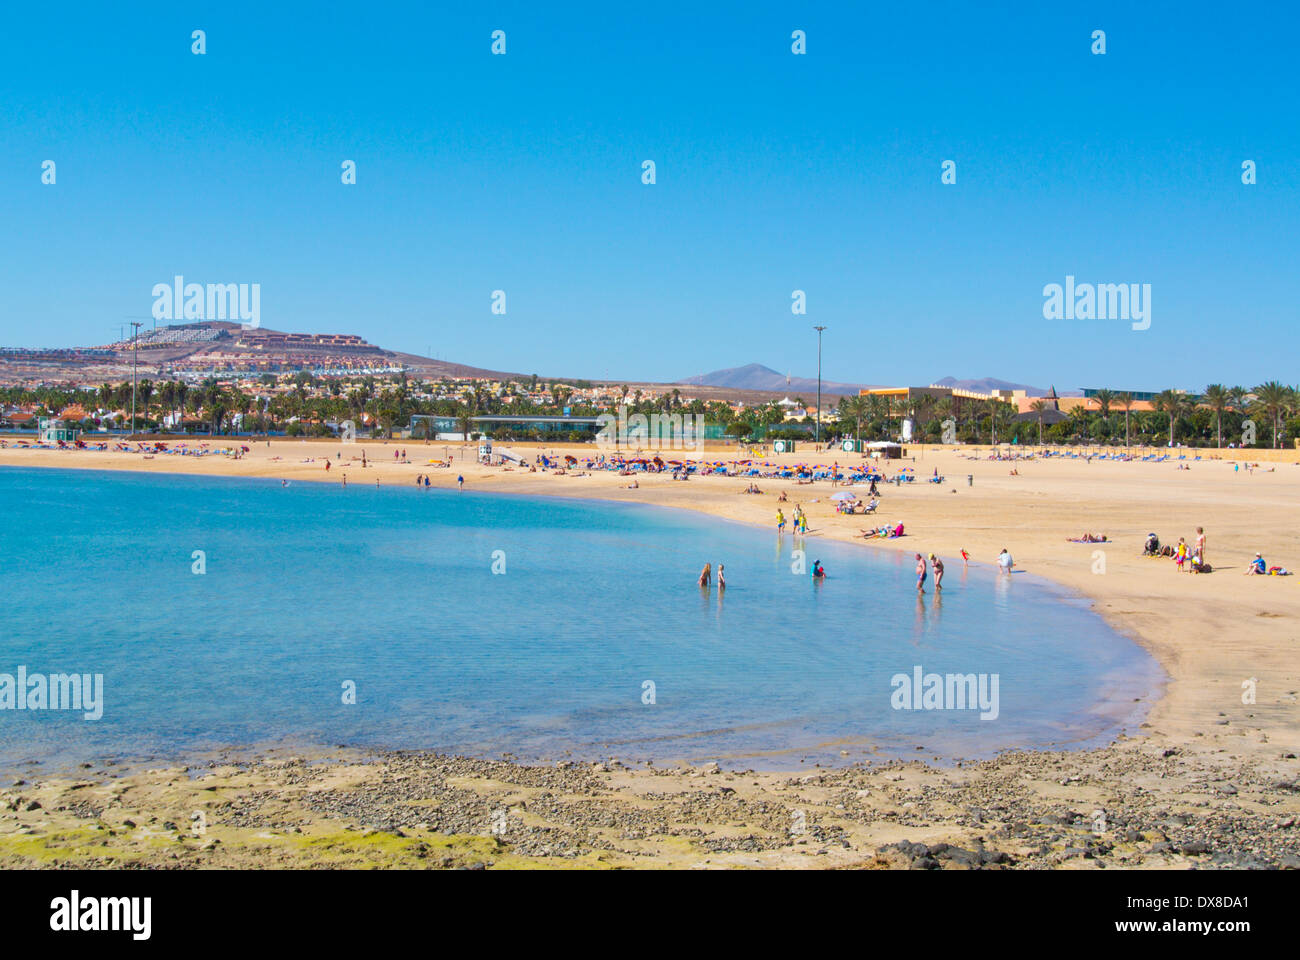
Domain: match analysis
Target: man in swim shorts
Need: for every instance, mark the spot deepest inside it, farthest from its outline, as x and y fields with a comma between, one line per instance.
x=920, y=574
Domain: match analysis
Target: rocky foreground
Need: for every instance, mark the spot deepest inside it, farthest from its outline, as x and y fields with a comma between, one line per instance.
x=1131, y=805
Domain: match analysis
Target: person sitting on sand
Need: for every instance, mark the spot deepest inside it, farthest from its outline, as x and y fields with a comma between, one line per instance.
x=1152, y=546
x=706, y=575
x=1257, y=566
x=783, y=498
x=634, y=485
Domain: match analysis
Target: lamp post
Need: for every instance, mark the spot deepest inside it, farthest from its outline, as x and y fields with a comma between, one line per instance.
x=135, y=341
x=819, y=382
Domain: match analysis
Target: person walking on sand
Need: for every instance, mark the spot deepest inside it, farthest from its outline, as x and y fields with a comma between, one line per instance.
x=706, y=575
x=937, y=564
x=920, y=574
x=1200, y=543
x=460, y=482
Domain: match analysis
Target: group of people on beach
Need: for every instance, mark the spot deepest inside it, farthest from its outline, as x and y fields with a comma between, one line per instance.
x=1189, y=558
x=800, y=520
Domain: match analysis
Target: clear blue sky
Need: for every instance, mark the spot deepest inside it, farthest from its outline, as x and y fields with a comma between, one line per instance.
x=775, y=172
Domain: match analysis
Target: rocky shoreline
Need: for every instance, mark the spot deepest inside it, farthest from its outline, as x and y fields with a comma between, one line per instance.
x=1129, y=805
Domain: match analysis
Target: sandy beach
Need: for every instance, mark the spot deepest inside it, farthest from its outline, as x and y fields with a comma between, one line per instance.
x=1210, y=780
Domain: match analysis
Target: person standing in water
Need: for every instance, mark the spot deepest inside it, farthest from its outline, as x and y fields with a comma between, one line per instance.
x=722, y=580
x=780, y=521
x=920, y=574
x=706, y=575
x=937, y=564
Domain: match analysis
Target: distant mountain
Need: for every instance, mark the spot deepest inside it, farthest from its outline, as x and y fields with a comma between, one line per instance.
x=987, y=384
x=755, y=376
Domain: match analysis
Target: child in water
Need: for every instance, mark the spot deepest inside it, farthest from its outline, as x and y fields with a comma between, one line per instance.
x=817, y=572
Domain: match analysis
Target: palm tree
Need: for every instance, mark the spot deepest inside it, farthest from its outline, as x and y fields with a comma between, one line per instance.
x=1038, y=407
x=1104, y=399
x=1274, y=400
x=942, y=410
x=1218, y=398
x=1125, y=400
x=1167, y=401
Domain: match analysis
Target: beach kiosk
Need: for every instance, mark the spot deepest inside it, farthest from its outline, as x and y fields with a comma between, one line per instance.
x=485, y=451
x=886, y=450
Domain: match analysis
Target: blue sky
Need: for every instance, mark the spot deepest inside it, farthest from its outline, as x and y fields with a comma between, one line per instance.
x=775, y=172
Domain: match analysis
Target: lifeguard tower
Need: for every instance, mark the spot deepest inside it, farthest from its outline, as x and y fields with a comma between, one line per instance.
x=57, y=431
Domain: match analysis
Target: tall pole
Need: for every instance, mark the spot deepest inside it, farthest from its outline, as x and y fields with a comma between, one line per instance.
x=819, y=382
x=135, y=354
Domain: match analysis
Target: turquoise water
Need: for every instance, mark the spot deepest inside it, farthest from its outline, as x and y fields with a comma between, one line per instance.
x=312, y=586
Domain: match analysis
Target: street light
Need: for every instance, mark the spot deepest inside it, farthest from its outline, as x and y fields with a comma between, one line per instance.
x=135, y=340
x=819, y=382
